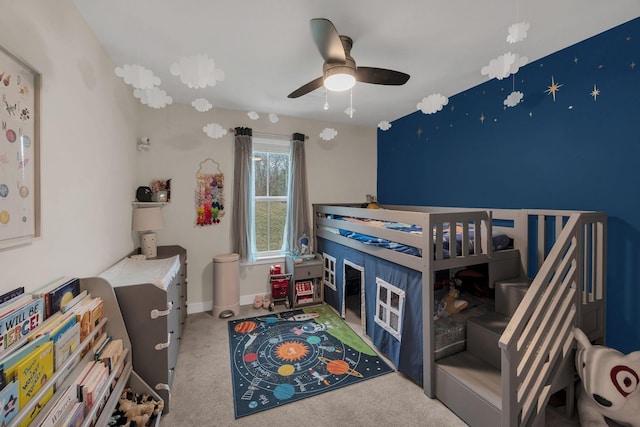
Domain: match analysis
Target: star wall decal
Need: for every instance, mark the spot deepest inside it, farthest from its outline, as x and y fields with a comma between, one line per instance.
x=555, y=87
x=595, y=92
x=633, y=65
x=482, y=117
x=419, y=131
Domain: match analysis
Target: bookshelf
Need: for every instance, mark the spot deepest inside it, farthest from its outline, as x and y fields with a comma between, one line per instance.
x=113, y=323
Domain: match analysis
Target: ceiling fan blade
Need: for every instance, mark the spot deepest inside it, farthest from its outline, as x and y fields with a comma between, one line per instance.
x=327, y=40
x=381, y=76
x=303, y=90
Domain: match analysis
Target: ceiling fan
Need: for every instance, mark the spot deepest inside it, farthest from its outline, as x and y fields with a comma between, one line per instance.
x=339, y=71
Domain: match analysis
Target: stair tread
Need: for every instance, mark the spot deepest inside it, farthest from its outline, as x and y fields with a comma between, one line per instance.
x=516, y=281
x=476, y=374
x=493, y=321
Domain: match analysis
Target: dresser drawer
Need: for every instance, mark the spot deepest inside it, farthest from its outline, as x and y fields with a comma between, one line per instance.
x=310, y=271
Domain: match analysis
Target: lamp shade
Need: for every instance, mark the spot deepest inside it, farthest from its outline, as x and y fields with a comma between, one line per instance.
x=145, y=219
x=339, y=78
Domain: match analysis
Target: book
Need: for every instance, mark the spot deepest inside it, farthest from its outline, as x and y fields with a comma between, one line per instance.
x=99, y=343
x=81, y=377
x=11, y=295
x=68, y=306
x=32, y=373
x=66, y=343
x=87, y=311
x=20, y=322
x=112, y=354
x=75, y=416
x=11, y=358
x=62, y=406
x=62, y=295
x=95, y=384
x=44, y=291
x=45, y=327
x=9, y=400
x=13, y=304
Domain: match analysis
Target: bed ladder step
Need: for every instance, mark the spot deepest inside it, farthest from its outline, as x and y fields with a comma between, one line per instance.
x=471, y=388
x=483, y=334
x=509, y=294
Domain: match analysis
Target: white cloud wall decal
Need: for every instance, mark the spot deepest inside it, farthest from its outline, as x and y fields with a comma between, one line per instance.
x=214, y=130
x=504, y=65
x=201, y=105
x=197, y=71
x=328, y=134
x=518, y=32
x=513, y=99
x=432, y=103
x=137, y=76
x=154, y=97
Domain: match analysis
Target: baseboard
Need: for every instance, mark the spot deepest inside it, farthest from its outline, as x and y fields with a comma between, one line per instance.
x=199, y=307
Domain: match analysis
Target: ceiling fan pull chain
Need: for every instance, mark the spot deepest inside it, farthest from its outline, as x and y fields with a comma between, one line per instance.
x=351, y=104
x=326, y=99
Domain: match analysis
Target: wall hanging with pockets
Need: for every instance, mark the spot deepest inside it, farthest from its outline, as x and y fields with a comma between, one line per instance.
x=209, y=194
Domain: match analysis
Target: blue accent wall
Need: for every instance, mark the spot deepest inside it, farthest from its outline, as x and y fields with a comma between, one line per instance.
x=578, y=151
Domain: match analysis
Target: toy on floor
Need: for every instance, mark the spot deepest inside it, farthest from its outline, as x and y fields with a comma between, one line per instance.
x=134, y=410
x=450, y=304
x=610, y=384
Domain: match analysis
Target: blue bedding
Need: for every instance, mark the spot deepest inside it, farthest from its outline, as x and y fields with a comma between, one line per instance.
x=500, y=240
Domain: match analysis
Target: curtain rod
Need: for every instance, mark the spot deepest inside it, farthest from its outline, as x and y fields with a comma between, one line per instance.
x=266, y=134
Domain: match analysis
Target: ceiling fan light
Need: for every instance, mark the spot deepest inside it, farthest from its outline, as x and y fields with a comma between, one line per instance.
x=339, y=79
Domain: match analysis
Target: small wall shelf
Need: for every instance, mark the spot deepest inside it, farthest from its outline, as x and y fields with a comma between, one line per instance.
x=148, y=204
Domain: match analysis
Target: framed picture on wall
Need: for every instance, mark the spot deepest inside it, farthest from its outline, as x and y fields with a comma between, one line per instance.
x=19, y=151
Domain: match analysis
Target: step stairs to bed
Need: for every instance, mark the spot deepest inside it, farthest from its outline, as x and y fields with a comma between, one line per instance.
x=509, y=294
x=469, y=383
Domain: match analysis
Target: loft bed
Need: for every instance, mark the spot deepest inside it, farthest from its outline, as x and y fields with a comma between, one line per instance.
x=398, y=256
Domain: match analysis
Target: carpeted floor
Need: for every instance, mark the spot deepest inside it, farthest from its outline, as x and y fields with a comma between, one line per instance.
x=202, y=391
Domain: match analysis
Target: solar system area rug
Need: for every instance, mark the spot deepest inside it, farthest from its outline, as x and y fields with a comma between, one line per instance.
x=283, y=357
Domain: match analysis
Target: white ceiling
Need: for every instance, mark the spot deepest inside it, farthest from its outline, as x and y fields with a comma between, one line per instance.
x=266, y=50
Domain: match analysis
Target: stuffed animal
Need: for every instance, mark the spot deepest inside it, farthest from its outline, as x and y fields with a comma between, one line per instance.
x=135, y=410
x=610, y=384
x=450, y=304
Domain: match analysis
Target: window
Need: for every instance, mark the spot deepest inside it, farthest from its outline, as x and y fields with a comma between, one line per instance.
x=271, y=184
x=329, y=275
x=390, y=304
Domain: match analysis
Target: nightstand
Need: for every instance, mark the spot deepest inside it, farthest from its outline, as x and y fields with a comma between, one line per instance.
x=305, y=287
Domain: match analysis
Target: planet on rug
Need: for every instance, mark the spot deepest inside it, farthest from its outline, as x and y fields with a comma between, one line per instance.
x=283, y=357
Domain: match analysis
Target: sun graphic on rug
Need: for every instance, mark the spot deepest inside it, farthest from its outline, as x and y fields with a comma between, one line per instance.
x=291, y=351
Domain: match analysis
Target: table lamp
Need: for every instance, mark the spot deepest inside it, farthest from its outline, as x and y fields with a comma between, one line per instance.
x=146, y=220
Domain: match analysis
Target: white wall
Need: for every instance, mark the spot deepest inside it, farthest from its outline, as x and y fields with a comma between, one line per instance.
x=88, y=156
x=342, y=170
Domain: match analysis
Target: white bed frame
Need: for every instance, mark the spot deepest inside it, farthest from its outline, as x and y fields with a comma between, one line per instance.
x=568, y=289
